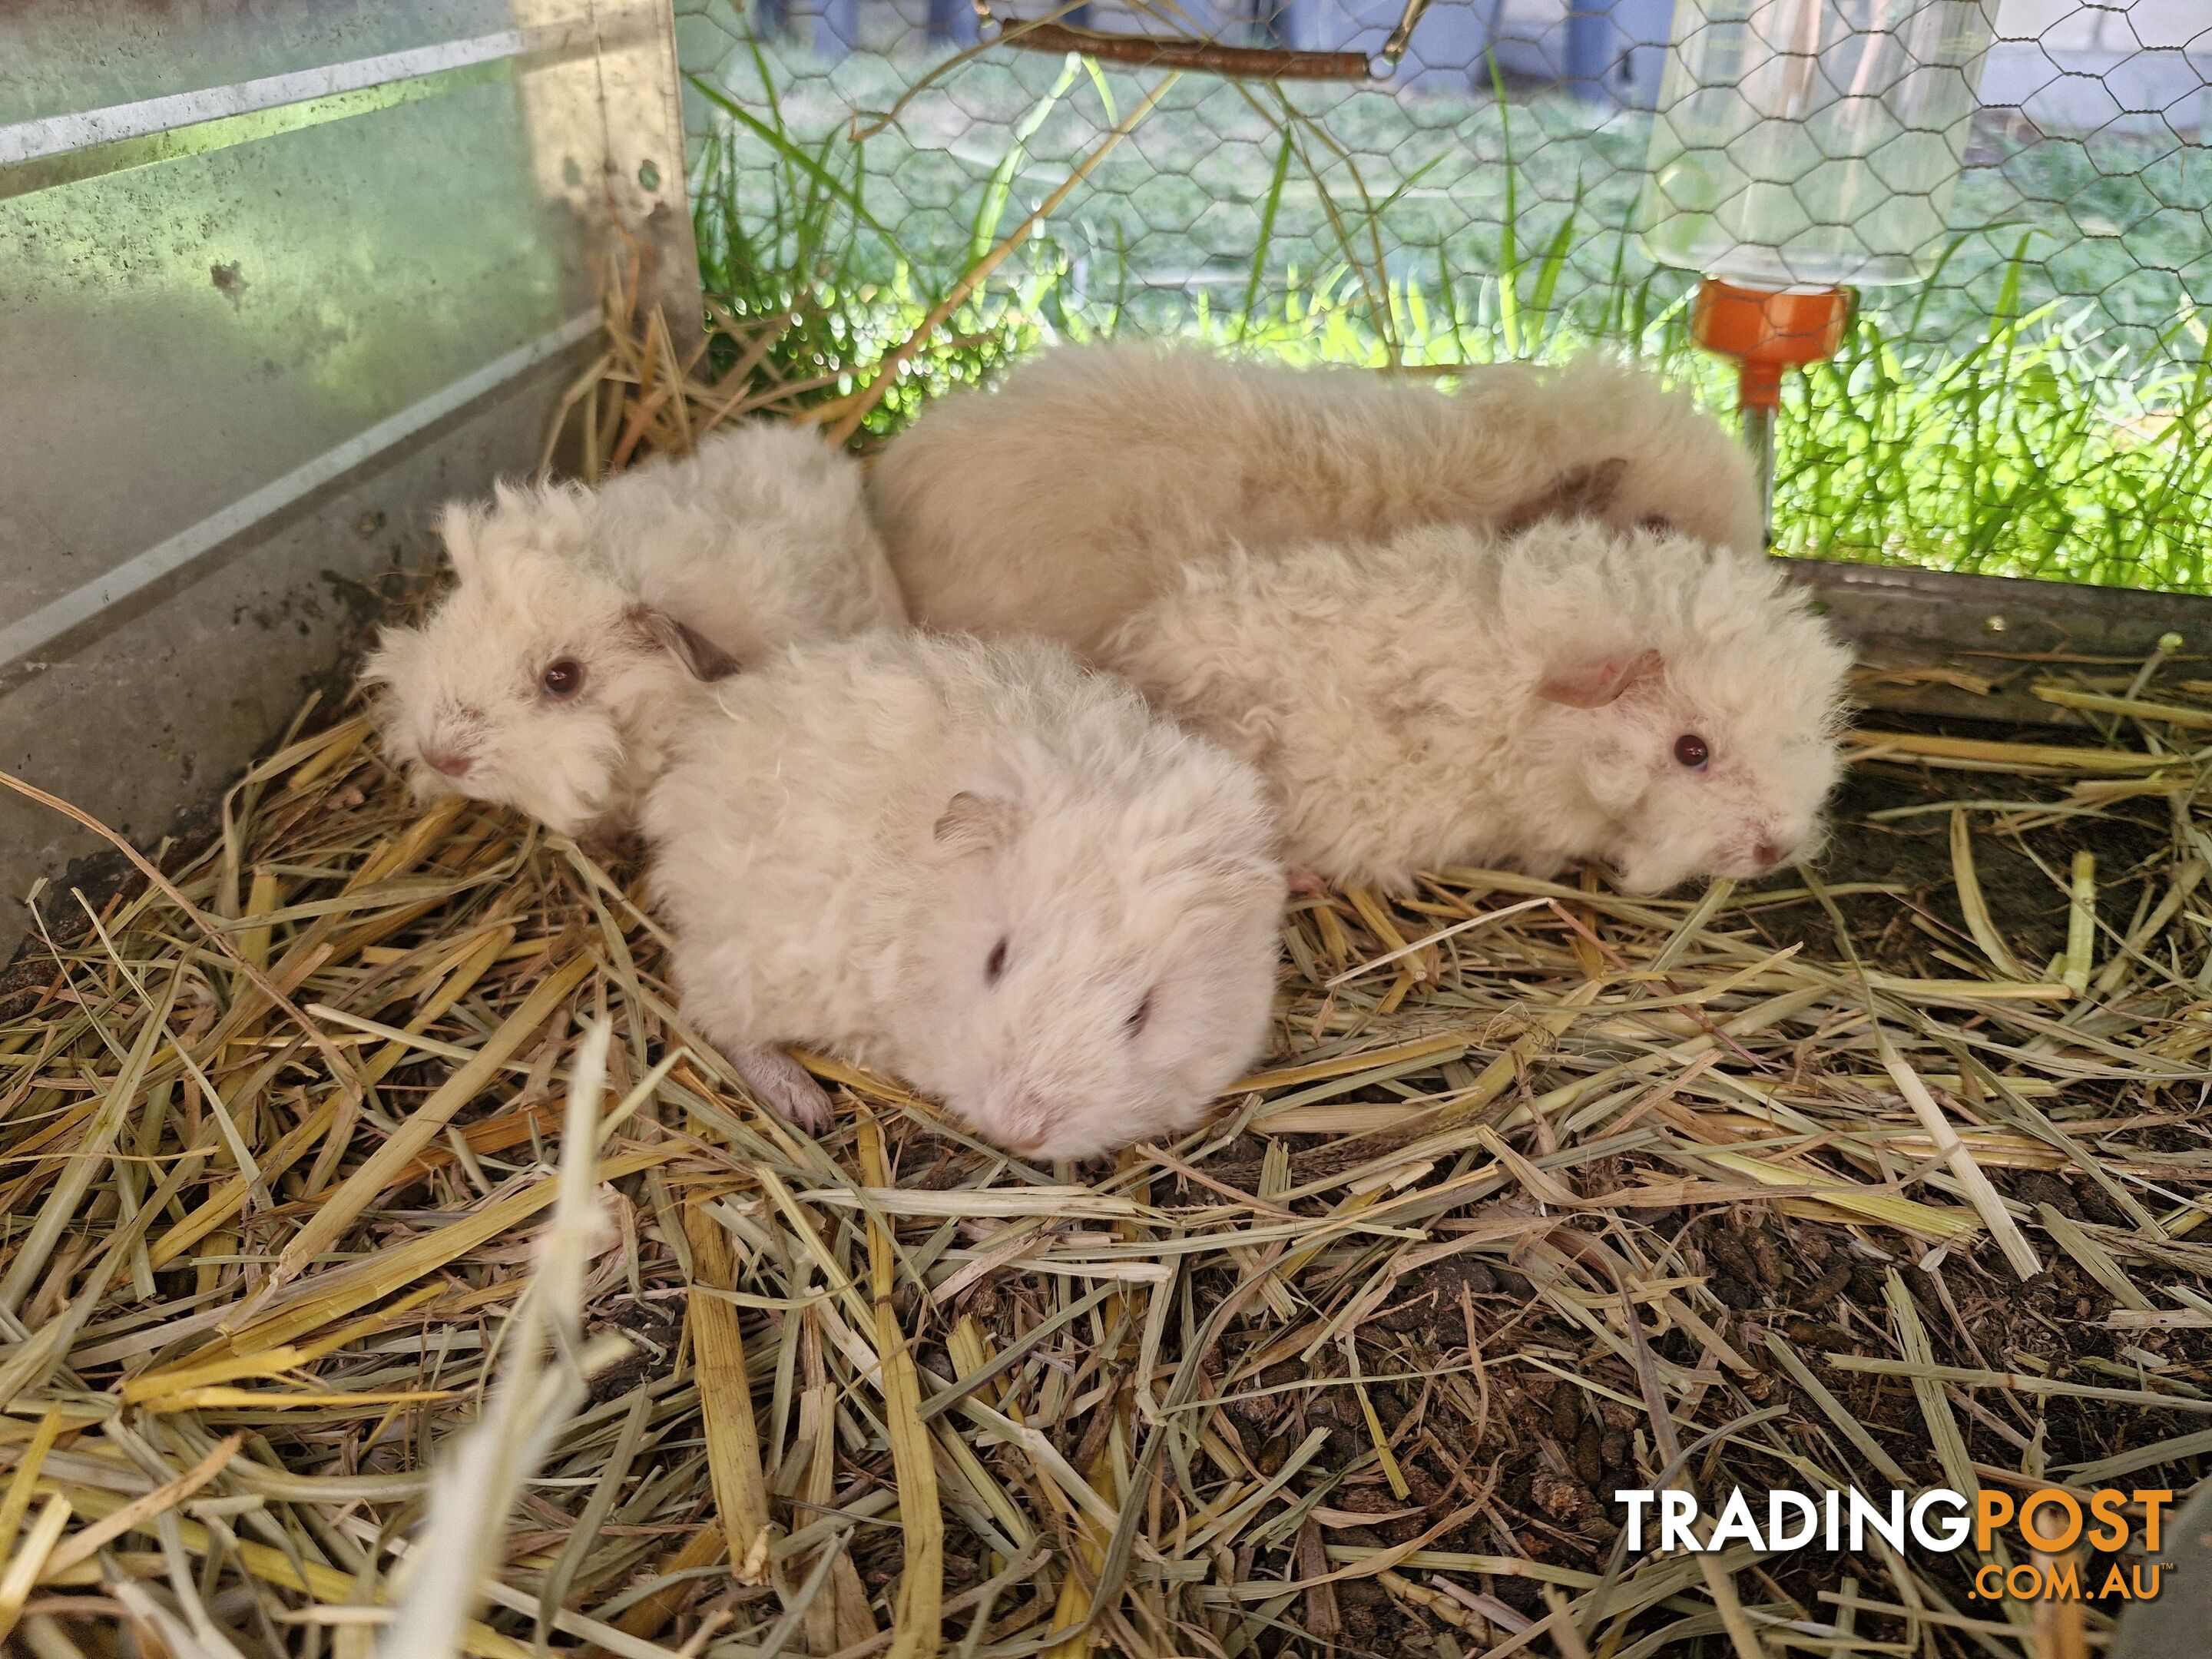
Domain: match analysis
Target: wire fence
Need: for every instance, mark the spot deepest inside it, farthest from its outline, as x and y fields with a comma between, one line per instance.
x=2017, y=190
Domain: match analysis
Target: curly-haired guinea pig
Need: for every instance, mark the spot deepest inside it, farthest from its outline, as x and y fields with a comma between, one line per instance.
x=1453, y=696
x=980, y=866
x=584, y=621
x=1060, y=500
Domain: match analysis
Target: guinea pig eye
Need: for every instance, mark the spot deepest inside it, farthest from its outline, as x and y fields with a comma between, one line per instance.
x=994, y=965
x=1690, y=750
x=1144, y=1012
x=563, y=678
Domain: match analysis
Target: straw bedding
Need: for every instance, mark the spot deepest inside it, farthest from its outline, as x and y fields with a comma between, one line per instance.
x=1891, y=1177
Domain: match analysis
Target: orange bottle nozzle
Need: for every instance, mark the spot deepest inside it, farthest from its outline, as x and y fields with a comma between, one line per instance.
x=1766, y=332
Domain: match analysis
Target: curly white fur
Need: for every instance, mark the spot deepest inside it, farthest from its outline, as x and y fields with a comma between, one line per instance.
x=1060, y=501
x=982, y=867
x=673, y=571
x=1451, y=696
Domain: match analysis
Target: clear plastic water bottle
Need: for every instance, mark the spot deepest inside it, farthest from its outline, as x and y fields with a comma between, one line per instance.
x=1812, y=142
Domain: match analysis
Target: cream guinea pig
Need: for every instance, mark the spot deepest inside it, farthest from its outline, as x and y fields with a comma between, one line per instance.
x=1060, y=500
x=1451, y=695
x=980, y=867
x=584, y=623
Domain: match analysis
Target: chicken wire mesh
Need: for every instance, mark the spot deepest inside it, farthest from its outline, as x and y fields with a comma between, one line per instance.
x=2023, y=387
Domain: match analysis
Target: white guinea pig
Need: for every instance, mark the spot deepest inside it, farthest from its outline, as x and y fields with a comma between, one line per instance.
x=584, y=621
x=1061, y=500
x=980, y=866
x=1451, y=696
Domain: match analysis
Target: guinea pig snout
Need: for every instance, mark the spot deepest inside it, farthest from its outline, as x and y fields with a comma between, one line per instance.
x=446, y=762
x=1769, y=847
x=1022, y=1123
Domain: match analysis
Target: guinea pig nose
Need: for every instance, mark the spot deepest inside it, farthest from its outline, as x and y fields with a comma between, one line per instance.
x=447, y=763
x=1766, y=854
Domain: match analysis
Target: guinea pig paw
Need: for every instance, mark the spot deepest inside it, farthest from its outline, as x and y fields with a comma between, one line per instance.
x=1303, y=882
x=784, y=1086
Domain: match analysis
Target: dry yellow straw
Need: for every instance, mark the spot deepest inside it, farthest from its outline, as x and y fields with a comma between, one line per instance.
x=480, y=1481
x=1108, y=1450
x=1971, y=901
x=2081, y=923
x=2017, y=1250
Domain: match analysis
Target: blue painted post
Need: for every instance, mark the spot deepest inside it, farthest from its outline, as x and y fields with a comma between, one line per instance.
x=1450, y=45
x=1592, y=49
x=952, y=22
x=1296, y=24
x=1642, y=28
x=837, y=27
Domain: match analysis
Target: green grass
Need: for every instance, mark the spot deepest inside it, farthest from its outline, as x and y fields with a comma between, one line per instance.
x=2026, y=450
x=796, y=239
x=2041, y=408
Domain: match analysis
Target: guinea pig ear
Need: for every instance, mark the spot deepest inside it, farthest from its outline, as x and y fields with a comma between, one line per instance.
x=704, y=659
x=1581, y=492
x=973, y=822
x=1594, y=683
x=459, y=526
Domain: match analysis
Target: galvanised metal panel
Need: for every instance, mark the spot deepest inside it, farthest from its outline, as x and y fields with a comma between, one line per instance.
x=255, y=260
x=65, y=59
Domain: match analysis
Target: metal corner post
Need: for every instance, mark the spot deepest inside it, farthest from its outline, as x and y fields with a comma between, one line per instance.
x=647, y=169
